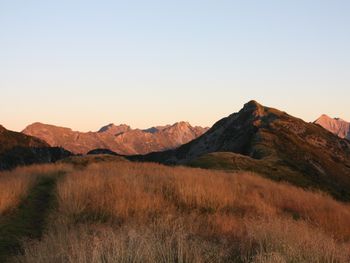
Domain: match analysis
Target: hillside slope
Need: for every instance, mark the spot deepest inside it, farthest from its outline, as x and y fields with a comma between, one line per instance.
x=286, y=147
x=20, y=149
x=10, y=139
x=135, y=212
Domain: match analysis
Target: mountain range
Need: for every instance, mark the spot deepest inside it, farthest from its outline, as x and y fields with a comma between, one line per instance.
x=121, y=139
x=272, y=143
x=260, y=139
x=337, y=126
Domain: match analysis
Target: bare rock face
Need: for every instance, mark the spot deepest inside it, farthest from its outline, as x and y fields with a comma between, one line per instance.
x=337, y=126
x=117, y=138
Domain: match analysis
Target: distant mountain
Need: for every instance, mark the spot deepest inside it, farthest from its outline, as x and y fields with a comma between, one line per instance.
x=117, y=138
x=337, y=126
x=273, y=143
x=20, y=149
x=115, y=129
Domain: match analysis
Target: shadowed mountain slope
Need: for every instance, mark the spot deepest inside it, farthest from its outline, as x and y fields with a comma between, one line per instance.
x=117, y=138
x=20, y=149
x=10, y=139
x=273, y=143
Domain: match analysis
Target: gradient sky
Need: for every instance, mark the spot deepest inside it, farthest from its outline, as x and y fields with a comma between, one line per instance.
x=84, y=64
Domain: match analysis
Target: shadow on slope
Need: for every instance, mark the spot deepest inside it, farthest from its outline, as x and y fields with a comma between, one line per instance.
x=275, y=143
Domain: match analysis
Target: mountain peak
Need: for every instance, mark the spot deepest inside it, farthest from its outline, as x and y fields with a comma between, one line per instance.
x=255, y=107
x=36, y=124
x=40, y=124
x=324, y=117
x=253, y=104
x=115, y=129
x=286, y=147
x=182, y=124
x=337, y=126
x=44, y=127
x=106, y=127
x=156, y=129
x=255, y=110
x=328, y=118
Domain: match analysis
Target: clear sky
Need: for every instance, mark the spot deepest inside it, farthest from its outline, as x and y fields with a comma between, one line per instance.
x=84, y=64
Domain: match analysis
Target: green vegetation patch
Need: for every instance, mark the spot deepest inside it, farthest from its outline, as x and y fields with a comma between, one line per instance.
x=28, y=221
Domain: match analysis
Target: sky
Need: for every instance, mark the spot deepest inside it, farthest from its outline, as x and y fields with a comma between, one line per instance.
x=84, y=64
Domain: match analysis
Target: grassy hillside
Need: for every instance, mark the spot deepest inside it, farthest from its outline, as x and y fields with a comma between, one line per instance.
x=269, y=168
x=134, y=212
x=274, y=143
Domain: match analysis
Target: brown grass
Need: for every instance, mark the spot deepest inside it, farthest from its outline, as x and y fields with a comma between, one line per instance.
x=15, y=184
x=127, y=212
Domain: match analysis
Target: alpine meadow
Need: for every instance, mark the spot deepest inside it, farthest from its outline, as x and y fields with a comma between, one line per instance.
x=174, y=131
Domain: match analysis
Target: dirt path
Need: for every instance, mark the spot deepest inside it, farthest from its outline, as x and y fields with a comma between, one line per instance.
x=28, y=221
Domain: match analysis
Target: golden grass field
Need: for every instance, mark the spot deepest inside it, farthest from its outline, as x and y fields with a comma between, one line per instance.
x=139, y=212
x=15, y=184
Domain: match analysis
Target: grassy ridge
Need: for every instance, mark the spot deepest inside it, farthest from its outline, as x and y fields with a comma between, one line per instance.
x=130, y=212
x=267, y=167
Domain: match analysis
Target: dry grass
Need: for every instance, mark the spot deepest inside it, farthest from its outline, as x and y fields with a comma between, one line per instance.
x=15, y=184
x=127, y=212
x=289, y=241
x=96, y=243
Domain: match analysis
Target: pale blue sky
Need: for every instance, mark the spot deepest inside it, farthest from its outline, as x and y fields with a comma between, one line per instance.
x=83, y=64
